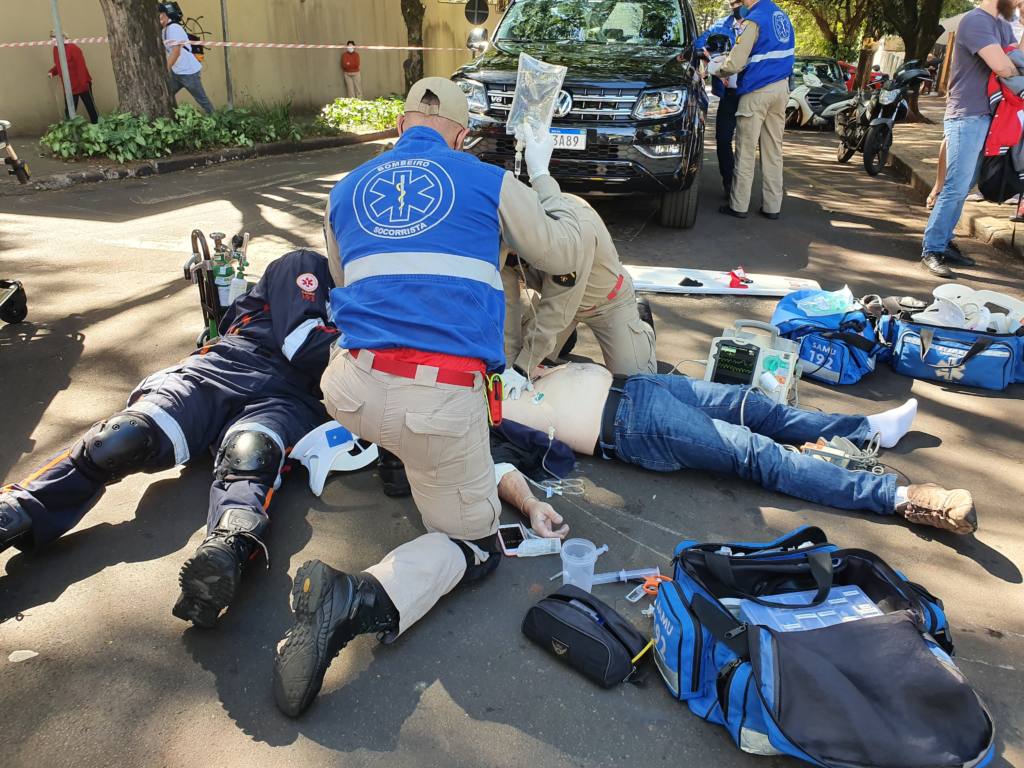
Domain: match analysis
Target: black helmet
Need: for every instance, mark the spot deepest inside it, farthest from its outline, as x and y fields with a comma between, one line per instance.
x=173, y=10
x=718, y=43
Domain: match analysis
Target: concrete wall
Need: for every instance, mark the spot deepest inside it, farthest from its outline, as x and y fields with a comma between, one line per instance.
x=309, y=78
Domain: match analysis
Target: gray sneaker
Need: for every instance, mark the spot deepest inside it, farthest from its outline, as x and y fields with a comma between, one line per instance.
x=936, y=264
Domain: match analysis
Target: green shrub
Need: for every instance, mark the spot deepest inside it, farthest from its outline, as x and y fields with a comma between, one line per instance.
x=124, y=137
x=356, y=114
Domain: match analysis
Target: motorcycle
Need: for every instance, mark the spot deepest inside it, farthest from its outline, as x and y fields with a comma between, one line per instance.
x=867, y=125
x=13, y=303
x=17, y=167
x=816, y=104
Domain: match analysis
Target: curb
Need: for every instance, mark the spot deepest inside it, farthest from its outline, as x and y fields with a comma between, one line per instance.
x=189, y=162
x=976, y=224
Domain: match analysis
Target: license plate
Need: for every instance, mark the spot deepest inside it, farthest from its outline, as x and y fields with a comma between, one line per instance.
x=569, y=139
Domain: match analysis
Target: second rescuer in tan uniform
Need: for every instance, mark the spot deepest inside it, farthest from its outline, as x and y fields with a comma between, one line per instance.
x=599, y=294
x=414, y=240
x=763, y=58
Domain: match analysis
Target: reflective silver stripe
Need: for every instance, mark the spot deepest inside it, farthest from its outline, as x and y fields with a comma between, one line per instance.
x=440, y=264
x=772, y=55
x=253, y=426
x=293, y=341
x=167, y=425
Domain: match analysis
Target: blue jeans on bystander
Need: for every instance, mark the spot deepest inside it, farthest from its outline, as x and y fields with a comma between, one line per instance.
x=668, y=423
x=965, y=140
x=194, y=85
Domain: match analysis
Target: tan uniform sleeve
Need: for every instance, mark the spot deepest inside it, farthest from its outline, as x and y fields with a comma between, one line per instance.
x=740, y=53
x=540, y=225
x=560, y=297
x=513, y=310
x=333, y=253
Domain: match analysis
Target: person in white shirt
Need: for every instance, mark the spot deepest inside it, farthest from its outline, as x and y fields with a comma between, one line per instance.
x=183, y=67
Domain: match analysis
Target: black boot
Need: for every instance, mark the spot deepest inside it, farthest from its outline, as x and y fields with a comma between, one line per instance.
x=331, y=608
x=210, y=578
x=14, y=523
x=392, y=474
x=643, y=308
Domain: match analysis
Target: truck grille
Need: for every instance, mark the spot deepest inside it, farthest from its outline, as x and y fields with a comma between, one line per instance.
x=596, y=105
x=506, y=147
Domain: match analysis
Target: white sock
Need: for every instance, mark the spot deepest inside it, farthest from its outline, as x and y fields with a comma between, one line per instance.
x=901, y=496
x=893, y=424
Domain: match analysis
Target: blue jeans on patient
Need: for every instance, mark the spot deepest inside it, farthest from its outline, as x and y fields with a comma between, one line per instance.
x=965, y=140
x=668, y=423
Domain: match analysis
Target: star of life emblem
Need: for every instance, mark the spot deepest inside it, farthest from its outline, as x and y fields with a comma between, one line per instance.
x=308, y=284
x=404, y=198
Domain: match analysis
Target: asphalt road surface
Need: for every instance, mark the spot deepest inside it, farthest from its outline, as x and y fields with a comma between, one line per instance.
x=119, y=681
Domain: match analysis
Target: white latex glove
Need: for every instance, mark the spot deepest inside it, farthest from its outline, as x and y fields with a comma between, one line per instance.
x=715, y=65
x=538, y=153
x=513, y=384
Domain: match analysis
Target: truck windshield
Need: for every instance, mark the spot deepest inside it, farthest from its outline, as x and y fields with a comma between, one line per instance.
x=604, y=22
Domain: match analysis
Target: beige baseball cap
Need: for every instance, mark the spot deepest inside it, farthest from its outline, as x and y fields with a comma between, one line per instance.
x=453, y=104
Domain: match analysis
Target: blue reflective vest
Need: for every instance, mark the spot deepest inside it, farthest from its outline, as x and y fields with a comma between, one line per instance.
x=418, y=232
x=773, y=54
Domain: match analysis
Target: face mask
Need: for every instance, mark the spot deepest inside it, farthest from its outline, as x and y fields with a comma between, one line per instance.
x=351, y=49
x=744, y=11
x=737, y=13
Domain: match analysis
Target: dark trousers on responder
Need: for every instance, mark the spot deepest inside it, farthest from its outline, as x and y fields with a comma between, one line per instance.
x=725, y=130
x=440, y=432
x=194, y=406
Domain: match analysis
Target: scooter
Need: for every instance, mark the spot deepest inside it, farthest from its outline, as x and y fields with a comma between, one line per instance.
x=815, y=104
x=867, y=125
x=13, y=302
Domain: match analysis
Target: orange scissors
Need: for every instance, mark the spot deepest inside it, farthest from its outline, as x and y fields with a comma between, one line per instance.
x=650, y=587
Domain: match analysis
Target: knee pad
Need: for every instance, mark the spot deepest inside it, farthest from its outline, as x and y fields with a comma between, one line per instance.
x=125, y=443
x=249, y=455
x=483, y=556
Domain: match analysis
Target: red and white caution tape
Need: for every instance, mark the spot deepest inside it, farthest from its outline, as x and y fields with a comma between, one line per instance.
x=225, y=44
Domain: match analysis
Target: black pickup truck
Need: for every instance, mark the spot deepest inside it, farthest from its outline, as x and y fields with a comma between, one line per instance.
x=631, y=115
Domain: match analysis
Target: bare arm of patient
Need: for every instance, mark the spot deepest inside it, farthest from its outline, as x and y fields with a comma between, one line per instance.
x=568, y=399
x=514, y=489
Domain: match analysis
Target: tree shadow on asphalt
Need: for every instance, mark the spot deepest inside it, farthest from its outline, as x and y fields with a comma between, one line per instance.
x=46, y=352
x=162, y=525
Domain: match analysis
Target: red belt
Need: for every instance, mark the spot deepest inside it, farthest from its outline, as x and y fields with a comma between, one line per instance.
x=408, y=370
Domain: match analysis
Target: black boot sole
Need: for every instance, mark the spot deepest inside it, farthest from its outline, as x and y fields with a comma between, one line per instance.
x=209, y=581
x=306, y=653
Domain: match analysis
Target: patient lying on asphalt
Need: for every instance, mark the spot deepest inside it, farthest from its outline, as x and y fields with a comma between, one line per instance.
x=667, y=423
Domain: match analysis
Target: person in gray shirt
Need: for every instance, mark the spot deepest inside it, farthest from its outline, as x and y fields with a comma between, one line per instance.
x=981, y=38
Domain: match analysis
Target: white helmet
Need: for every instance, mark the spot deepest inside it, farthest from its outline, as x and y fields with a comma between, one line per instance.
x=332, y=448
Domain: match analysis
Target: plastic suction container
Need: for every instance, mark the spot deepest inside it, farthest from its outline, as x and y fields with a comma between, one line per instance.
x=578, y=559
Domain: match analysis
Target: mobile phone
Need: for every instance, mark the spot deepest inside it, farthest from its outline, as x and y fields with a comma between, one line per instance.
x=510, y=537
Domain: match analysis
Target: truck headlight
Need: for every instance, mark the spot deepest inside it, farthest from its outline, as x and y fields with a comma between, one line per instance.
x=476, y=95
x=660, y=104
x=888, y=96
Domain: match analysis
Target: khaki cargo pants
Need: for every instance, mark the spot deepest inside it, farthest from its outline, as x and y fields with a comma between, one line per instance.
x=760, y=121
x=440, y=432
x=627, y=342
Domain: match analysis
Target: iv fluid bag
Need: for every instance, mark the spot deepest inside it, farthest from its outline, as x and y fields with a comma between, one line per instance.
x=537, y=87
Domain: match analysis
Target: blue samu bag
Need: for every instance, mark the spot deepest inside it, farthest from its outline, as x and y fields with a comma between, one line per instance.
x=876, y=688
x=837, y=348
x=953, y=355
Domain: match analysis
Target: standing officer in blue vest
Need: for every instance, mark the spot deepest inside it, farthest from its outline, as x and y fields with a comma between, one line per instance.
x=413, y=238
x=712, y=41
x=763, y=58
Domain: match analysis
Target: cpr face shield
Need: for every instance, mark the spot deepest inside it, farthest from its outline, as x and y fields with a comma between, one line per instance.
x=332, y=448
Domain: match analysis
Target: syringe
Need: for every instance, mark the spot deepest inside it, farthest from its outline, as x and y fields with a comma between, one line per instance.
x=610, y=577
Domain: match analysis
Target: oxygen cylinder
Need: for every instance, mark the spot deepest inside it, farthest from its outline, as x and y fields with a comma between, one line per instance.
x=238, y=286
x=223, y=273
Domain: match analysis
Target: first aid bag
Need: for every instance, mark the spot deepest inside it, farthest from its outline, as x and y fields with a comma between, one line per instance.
x=878, y=689
x=838, y=347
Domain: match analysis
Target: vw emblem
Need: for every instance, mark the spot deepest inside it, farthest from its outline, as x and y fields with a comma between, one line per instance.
x=563, y=104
